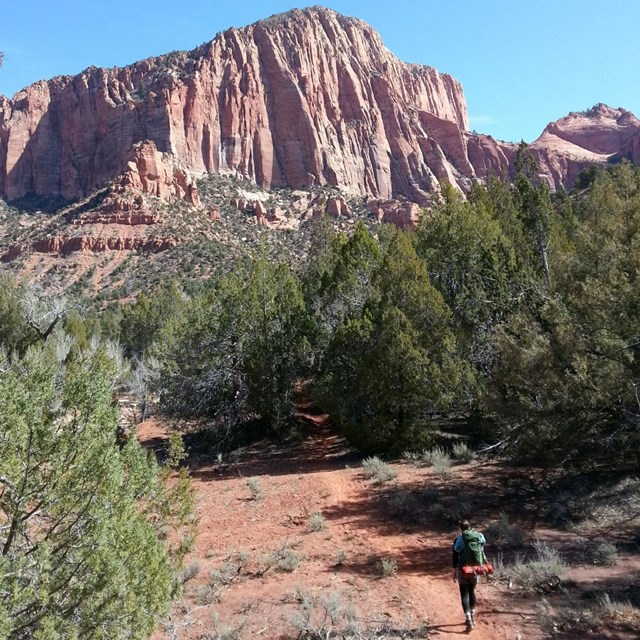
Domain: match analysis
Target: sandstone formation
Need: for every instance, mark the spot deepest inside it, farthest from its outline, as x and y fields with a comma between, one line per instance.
x=306, y=98
x=631, y=149
x=64, y=245
x=304, y=204
x=579, y=139
x=600, y=130
x=158, y=174
x=402, y=214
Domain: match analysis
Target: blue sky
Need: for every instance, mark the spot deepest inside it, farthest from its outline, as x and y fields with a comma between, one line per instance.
x=522, y=63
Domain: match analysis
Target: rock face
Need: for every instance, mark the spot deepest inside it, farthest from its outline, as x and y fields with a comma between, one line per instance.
x=590, y=137
x=402, y=214
x=305, y=98
x=64, y=245
x=157, y=174
x=601, y=130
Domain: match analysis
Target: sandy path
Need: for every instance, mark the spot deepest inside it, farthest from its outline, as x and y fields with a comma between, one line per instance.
x=424, y=561
x=322, y=475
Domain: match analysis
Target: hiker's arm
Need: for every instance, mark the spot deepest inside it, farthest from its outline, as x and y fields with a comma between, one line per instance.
x=482, y=543
x=456, y=555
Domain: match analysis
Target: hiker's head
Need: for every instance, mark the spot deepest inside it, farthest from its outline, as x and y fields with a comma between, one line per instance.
x=464, y=525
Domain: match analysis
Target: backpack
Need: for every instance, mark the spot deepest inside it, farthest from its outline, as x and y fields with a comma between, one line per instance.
x=472, y=555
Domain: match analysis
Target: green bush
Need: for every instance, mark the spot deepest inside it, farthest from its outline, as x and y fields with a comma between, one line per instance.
x=190, y=571
x=89, y=547
x=440, y=460
x=386, y=567
x=229, y=570
x=316, y=521
x=254, y=487
x=603, y=553
x=543, y=573
x=378, y=471
x=462, y=453
x=504, y=534
x=283, y=559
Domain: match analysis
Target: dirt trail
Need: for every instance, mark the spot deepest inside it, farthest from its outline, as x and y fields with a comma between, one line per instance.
x=424, y=561
x=323, y=475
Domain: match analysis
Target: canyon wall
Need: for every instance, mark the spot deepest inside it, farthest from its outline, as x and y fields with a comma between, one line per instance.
x=305, y=98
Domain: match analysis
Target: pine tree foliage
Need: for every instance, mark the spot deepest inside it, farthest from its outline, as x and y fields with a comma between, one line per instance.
x=16, y=334
x=81, y=554
x=143, y=320
x=473, y=263
x=239, y=349
x=393, y=363
x=566, y=381
x=338, y=278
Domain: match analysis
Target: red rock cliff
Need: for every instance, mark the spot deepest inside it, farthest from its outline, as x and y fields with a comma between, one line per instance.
x=307, y=97
x=302, y=98
x=595, y=136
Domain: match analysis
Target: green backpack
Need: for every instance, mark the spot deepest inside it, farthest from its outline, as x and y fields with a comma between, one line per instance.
x=472, y=555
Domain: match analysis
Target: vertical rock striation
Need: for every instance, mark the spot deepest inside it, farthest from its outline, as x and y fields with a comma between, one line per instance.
x=303, y=98
x=309, y=97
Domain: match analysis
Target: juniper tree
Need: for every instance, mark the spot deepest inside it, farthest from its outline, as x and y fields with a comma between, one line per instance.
x=238, y=350
x=143, y=319
x=391, y=366
x=535, y=209
x=338, y=279
x=81, y=515
x=473, y=264
x=566, y=378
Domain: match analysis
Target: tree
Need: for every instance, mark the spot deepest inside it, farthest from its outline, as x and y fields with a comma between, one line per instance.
x=143, y=319
x=389, y=367
x=343, y=273
x=16, y=334
x=81, y=554
x=471, y=262
x=535, y=208
x=271, y=322
x=561, y=391
x=239, y=350
x=324, y=245
x=200, y=372
x=565, y=383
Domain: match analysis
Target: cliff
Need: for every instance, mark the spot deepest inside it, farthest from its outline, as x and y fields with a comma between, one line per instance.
x=596, y=136
x=306, y=98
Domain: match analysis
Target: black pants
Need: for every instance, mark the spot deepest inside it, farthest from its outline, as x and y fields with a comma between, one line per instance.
x=468, y=594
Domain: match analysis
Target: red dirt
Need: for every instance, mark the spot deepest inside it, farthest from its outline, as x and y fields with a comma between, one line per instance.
x=323, y=475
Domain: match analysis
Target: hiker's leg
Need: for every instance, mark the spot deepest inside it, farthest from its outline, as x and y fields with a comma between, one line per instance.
x=464, y=597
x=472, y=597
x=472, y=603
x=466, y=589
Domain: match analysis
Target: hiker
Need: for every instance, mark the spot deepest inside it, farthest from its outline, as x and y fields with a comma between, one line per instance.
x=468, y=551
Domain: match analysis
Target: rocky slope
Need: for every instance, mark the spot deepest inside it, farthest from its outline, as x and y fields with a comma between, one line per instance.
x=309, y=100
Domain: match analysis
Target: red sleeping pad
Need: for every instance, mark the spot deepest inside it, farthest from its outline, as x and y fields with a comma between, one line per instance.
x=480, y=570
